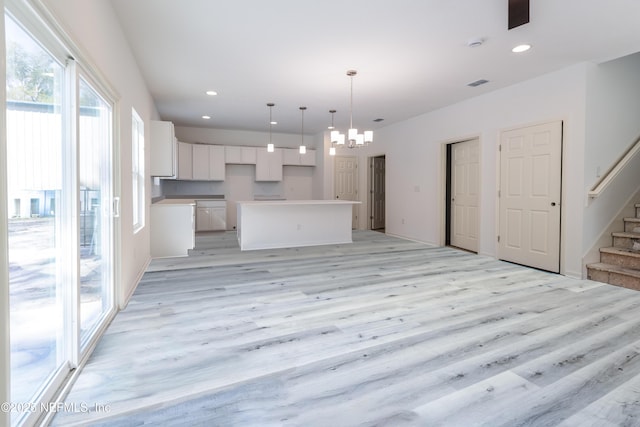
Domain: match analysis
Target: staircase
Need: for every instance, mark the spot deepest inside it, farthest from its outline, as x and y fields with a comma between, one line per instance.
x=620, y=264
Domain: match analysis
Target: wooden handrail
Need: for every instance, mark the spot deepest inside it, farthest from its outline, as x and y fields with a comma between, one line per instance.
x=610, y=175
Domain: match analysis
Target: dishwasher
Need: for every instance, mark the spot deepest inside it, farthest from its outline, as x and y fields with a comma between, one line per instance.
x=211, y=215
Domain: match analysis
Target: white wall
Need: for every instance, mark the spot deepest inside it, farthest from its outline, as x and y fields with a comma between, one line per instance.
x=239, y=137
x=415, y=170
x=94, y=28
x=613, y=124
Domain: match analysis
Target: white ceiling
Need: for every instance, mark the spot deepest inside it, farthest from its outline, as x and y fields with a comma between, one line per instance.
x=411, y=55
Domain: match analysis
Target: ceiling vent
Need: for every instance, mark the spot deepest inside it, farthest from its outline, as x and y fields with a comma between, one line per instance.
x=478, y=83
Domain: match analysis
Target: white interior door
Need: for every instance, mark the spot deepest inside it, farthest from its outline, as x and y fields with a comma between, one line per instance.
x=464, y=194
x=530, y=184
x=346, y=181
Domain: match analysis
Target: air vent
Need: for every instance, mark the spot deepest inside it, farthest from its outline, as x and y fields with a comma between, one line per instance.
x=478, y=83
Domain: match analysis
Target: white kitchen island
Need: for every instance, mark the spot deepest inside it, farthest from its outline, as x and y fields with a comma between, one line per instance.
x=293, y=223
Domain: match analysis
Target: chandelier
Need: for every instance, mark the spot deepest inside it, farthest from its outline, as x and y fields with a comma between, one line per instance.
x=352, y=139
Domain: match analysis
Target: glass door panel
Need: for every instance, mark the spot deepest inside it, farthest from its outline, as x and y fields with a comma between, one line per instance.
x=94, y=148
x=37, y=265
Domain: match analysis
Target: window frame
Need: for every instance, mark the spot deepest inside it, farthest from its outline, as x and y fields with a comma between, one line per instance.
x=137, y=171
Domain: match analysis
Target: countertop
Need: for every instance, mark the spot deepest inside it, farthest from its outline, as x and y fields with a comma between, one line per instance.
x=175, y=202
x=185, y=199
x=298, y=202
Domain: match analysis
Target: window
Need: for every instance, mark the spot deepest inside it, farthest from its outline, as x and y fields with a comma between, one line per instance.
x=137, y=169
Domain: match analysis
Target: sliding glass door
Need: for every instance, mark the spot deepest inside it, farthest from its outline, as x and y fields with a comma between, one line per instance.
x=60, y=240
x=96, y=266
x=38, y=293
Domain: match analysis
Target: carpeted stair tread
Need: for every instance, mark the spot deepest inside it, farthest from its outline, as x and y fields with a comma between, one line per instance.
x=601, y=266
x=621, y=251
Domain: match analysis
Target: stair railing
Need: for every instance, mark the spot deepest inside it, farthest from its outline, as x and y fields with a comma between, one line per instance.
x=617, y=167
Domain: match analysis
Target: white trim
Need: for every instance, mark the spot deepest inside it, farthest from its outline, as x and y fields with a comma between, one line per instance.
x=5, y=352
x=138, y=171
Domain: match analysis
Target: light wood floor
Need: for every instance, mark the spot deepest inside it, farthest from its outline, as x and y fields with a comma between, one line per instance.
x=380, y=332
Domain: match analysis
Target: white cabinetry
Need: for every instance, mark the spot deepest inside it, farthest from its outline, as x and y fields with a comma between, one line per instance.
x=185, y=161
x=268, y=165
x=200, y=162
x=292, y=157
x=163, y=149
x=240, y=155
x=217, y=165
x=172, y=228
x=208, y=162
x=211, y=215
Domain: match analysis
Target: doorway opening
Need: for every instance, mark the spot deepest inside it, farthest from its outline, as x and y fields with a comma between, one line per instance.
x=462, y=195
x=377, y=187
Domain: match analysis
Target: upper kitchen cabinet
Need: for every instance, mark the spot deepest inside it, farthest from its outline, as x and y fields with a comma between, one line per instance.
x=240, y=155
x=268, y=165
x=292, y=157
x=208, y=162
x=163, y=149
x=185, y=161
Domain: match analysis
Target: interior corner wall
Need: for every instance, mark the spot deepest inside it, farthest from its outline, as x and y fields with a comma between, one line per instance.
x=414, y=168
x=613, y=108
x=94, y=28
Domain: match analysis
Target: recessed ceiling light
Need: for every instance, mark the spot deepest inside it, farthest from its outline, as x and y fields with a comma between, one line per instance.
x=212, y=93
x=521, y=48
x=206, y=117
x=475, y=42
x=273, y=122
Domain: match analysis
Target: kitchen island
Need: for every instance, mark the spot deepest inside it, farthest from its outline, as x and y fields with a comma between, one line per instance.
x=293, y=223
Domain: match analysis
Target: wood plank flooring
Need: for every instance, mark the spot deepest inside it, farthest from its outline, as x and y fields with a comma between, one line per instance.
x=381, y=332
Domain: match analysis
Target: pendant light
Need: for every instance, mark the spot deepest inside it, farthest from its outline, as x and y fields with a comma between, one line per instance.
x=303, y=148
x=354, y=138
x=332, y=149
x=270, y=146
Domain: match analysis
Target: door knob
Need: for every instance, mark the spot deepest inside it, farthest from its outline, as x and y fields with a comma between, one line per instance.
x=553, y=203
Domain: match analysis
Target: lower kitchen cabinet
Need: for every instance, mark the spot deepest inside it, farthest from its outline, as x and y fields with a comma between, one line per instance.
x=172, y=228
x=211, y=215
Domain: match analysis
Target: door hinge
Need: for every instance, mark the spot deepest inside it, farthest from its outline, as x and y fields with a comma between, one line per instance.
x=499, y=193
x=500, y=147
x=498, y=239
